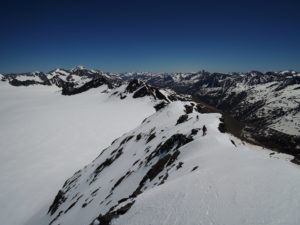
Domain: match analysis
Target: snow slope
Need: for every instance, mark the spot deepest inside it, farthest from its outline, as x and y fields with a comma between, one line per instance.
x=45, y=137
x=164, y=171
x=229, y=188
x=169, y=171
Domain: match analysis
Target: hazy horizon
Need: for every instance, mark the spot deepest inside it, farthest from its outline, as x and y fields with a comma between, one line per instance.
x=140, y=71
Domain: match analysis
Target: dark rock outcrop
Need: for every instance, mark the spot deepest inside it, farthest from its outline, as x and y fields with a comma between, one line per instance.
x=70, y=90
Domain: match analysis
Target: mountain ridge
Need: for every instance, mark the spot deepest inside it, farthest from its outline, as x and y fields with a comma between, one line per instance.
x=267, y=104
x=167, y=147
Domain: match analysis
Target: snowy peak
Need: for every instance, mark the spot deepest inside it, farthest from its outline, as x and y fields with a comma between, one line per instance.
x=178, y=160
x=140, y=160
x=59, y=71
x=141, y=89
x=27, y=79
x=78, y=68
x=288, y=72
x=60, y=77
x=72, y=89
x=77, y=77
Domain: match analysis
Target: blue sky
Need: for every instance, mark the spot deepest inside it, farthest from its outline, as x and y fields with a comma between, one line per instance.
x=219, y=36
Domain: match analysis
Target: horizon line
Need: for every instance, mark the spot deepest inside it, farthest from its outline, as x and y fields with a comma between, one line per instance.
x=145, y=71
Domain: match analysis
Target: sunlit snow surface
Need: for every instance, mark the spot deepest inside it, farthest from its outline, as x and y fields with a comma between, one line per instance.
x=45, y=137
x=234, y=183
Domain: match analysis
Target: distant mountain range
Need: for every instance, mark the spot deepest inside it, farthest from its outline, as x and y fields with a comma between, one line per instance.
x=266, y=106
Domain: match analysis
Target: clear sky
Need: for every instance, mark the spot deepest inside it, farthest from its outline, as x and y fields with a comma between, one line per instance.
x=127, y=35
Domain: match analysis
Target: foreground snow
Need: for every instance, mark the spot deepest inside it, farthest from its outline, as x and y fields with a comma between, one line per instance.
x=232, y=186
x=149, y=177
x=45, y=137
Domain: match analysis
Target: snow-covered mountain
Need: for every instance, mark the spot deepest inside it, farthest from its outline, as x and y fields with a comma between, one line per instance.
x=268, y=104
x=177, y=167
x=67, y=79
x=162, y=159
x=45, y=137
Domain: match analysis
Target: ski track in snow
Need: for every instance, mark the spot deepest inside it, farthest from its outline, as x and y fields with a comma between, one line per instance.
x=45, y=137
